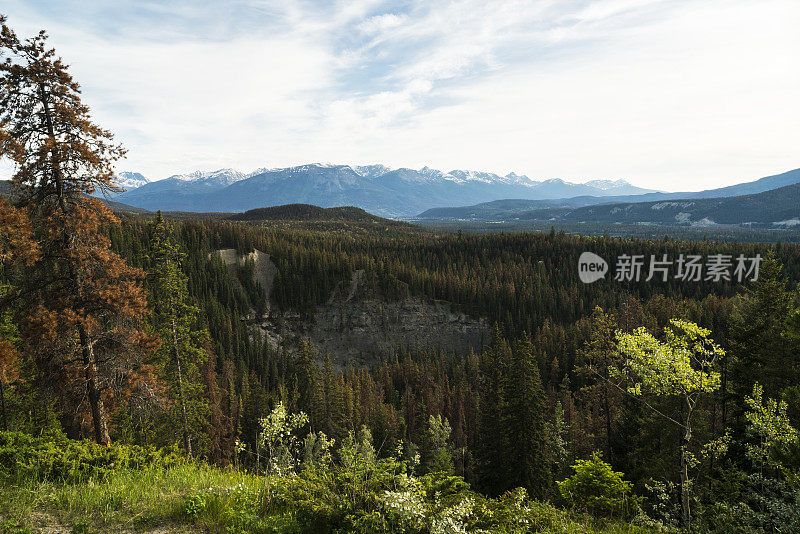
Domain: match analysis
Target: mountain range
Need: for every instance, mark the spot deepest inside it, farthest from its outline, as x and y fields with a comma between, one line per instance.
x=772, y=204
x=773, y=201
x=380, y=190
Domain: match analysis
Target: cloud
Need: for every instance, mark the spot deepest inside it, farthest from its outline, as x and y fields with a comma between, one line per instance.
x=672, y=95
x=381, y=23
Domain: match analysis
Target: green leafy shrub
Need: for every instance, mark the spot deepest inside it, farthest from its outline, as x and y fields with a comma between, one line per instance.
x=194, y=505
x=597, y=488
x=27, y=457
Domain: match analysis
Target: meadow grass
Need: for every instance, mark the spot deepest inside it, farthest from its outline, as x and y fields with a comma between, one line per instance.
x=138, y=499
x=187, y=498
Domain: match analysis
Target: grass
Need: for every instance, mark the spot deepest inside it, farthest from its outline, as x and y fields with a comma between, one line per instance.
x=137, y=499
x=185, y=498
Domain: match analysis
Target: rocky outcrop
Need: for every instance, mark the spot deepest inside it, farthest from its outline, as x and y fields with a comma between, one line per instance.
x=357, y=326
x=264, y=270
x=356, y=332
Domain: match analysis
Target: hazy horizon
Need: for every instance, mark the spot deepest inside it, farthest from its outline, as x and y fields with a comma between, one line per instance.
x=667, y=95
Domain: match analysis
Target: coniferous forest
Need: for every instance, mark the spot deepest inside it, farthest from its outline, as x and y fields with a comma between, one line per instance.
x=138, y=393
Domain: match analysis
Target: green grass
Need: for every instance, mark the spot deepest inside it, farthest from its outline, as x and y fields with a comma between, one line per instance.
x=140, y=499
x=60, y=485
x=187, y=498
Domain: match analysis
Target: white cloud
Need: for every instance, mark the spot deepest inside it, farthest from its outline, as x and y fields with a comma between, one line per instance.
x=673, y=95
x=381, y=23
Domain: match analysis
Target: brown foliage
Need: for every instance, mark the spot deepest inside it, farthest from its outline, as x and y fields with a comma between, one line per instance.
x=84, y=304
x=45, y=128
x=17, y=246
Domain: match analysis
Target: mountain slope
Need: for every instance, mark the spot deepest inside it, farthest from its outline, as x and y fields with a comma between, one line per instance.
x=375, y=188
x=761, y=185
x=777, y=207
x=307, y=212
x=499, y=209
x=514, y=209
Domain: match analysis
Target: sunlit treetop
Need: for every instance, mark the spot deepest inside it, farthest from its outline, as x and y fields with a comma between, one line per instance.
x=681, y=364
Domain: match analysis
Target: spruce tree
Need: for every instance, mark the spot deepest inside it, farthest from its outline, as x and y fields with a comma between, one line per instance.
x=525, y=424
x=437, y=450
x=491, y=448
x=176, y=321
x=761, y=352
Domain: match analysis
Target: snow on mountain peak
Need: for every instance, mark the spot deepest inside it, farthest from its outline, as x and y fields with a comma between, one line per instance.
x=605, y=185
x=370, y=171
x=226, y=176
x=130, y=180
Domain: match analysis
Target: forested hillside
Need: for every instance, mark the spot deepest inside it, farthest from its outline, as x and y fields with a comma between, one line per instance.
x=525, y=283
x=141, y=385
x=776, y=208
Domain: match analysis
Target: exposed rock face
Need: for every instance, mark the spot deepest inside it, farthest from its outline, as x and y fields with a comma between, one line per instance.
x=264, y=272
x=357, y=326
x=356, y=332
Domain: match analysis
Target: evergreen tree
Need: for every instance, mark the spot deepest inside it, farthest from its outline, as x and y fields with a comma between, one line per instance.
x=437, y=451
x=602, y=393
x=526, y=427
x=306, y=379
x=761, y=352
x=176, y=321
x=491, y=449
x=18, y=249
x=79, y=293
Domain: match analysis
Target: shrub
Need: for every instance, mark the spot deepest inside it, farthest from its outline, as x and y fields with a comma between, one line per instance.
x=597, y=488
x=43, y=458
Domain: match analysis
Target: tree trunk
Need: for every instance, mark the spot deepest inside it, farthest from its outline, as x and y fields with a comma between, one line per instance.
x=101, y=435
x=54, y=159
x=607, y=410
x=187, y=443
x=686, y=516
x=724, y=389
x=3, y=405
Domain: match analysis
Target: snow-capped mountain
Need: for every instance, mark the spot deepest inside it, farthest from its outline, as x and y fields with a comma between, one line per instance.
x=221, y=177
x=371, y=171
x=376, y=188
x=130, y=180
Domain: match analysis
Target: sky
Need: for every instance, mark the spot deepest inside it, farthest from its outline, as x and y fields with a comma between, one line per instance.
x=668, y=94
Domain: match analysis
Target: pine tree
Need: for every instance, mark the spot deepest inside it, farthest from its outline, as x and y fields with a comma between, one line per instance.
x=761, y=352
x=18, y=249
x=526, y=428
x=79, y=294
x=176, y=321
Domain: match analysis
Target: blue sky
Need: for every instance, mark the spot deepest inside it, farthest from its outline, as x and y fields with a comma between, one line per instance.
x=675, y=95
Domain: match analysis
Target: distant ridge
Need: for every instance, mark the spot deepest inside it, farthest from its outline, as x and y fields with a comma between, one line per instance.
x=775, y=208
x=308, y=212
x=512, y=209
